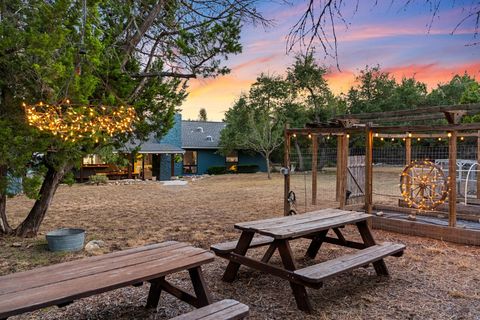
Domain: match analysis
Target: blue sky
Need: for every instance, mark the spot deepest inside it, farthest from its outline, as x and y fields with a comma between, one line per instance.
x=387, y=34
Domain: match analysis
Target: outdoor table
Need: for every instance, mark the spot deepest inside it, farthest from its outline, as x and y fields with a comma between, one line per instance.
x=276, y=233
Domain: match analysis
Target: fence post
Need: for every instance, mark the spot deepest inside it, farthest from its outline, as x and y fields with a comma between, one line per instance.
x=452, y=176
x=286, y=164
x=368, y=170
x=314, y=167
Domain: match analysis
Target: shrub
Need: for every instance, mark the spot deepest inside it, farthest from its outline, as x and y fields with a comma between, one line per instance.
x=98, y=179
x=247, y=168
x=217, y=170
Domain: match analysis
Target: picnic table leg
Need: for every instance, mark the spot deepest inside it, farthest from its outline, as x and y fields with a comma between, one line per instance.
x=200, y=287
x=316, y=244
x=299, y=291
x=241, y=249
x=154, y=293
x=269, y=253
x=368, y=240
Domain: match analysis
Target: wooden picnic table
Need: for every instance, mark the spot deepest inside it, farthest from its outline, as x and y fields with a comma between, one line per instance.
x=276, y=233
x=63, y=283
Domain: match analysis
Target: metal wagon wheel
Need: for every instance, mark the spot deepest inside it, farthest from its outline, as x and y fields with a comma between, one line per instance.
x=423, y=185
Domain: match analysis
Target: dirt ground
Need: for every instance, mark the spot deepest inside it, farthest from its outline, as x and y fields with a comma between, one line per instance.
x=433, y=280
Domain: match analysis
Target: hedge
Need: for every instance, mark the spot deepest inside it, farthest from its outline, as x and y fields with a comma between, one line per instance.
x=217, y=170
x=247, y=168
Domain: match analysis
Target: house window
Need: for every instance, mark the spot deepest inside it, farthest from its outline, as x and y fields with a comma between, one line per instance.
x=231, y=161
x=190, y=162
x=92, y=159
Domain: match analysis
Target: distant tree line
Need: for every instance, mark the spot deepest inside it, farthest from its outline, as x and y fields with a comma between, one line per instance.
x=256, y=120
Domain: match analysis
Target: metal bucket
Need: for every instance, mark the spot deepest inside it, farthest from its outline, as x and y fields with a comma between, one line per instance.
x=66, y=239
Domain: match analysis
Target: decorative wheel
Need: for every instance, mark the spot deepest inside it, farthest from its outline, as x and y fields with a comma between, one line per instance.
x=423, y=185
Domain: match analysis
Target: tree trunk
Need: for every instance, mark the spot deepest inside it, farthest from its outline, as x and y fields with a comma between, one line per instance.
x=322, y=159
x=300, y=156
x=29, y=227
x=4, y=226
x=267, y=159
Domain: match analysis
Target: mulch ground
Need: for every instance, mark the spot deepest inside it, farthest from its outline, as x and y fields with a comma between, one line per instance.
x=433, y=280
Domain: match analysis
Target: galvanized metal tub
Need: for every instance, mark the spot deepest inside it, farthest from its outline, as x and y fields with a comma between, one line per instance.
x=66, y=239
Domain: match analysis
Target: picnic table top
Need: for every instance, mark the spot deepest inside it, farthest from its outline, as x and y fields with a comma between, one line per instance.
x=304, y=224
x=59, y=283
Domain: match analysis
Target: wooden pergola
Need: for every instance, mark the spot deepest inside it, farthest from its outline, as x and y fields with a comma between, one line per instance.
x=385, y=125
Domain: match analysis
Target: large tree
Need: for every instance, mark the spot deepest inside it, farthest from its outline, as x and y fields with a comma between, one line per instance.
x=256, y=122
x=137, y=53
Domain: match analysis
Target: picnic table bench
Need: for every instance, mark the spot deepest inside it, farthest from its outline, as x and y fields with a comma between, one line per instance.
x=276, y=233
x=63, y=283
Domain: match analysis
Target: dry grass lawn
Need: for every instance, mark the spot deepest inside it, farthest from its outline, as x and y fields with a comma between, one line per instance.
x=433, y=280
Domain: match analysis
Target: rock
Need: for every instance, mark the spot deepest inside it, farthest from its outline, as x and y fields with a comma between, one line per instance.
x=16, y=244
x=94, y=245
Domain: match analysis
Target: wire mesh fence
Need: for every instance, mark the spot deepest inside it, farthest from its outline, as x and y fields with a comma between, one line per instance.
x=388, y=166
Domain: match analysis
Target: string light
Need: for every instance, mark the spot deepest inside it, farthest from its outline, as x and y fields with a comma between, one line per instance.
x=309, y=136
x=73, y=122
x=409, y=135
x=462, y=138
x=294, y=135
x=348, y=135
x=423, y=185
x=393, y=139
x=381, y=138
x=376, y=134
x=439, y=139
x=418, y=139
x=449, y=134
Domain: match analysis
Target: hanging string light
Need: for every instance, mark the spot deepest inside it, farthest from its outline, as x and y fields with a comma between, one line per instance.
x=72, y=122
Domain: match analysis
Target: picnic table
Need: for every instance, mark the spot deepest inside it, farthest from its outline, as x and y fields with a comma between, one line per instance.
x=63, y=283
x=276, y=233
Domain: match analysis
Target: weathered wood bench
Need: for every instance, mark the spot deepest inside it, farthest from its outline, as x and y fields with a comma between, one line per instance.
x=319, y=272
x=222, y=310
x=63, y=283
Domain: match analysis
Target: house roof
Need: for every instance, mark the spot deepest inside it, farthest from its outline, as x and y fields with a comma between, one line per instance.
x=152, y=146
x=201, y=134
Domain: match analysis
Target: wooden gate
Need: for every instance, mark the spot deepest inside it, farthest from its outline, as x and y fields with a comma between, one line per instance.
x=356, y=179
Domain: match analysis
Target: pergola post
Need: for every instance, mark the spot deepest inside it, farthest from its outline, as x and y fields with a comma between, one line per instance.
x=143, y=166
x=286, y=164
x=369, y=170
x=314, y=167
x=408, y=151
x=343, y=171
x=339, y=165
x=478, y=167
x=452, y=176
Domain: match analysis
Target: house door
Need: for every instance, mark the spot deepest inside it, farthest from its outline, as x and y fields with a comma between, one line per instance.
x=156, y=166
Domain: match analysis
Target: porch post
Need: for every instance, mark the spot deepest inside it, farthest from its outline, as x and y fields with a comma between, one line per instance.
x=369, y=170
x=314, y=167
x=143, y=166
x=452, y=176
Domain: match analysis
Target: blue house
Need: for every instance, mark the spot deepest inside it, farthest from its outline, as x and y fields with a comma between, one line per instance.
x=190, y=147
x=200, y=141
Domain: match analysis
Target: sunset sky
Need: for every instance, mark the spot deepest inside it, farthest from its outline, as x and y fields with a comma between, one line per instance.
x=396, y=38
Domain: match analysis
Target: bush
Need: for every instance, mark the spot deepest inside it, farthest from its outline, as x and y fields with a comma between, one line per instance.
x=217, y=170
x=247, y=168
x=98, y=179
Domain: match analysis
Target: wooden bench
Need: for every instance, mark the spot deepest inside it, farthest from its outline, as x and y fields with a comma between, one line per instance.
x=322, y=271
x=63, y=283
x=222, y=310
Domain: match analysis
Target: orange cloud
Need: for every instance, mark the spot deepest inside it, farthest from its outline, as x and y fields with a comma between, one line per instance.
x=434, y=73
x=215, y=95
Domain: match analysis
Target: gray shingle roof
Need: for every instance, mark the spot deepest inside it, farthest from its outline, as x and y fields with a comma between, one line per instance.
x=197, y=134
x=152, y=146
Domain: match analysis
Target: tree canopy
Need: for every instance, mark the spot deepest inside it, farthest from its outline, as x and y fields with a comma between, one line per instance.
x=136, y=53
